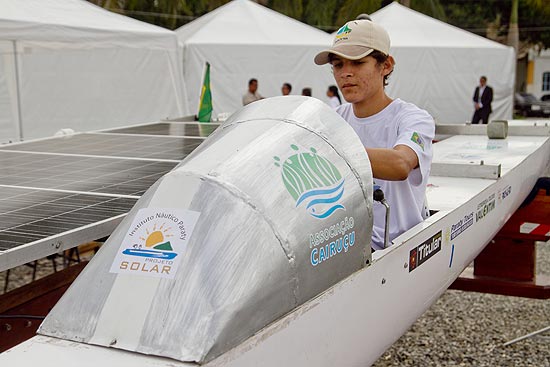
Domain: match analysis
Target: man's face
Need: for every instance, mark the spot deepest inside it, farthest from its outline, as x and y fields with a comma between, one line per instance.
x=359, y=80
x=285, y=90
x=482, y=82
x=253, y=87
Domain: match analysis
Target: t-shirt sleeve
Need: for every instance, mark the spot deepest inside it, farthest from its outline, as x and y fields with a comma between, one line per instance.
x=417, y=130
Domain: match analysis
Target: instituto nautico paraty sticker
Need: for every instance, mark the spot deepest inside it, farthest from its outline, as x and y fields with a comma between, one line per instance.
x=155, y=243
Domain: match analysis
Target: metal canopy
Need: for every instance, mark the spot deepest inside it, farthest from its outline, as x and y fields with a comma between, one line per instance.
x=59, y=192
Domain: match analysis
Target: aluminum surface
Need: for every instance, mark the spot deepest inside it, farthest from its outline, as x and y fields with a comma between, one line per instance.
x=284, y=192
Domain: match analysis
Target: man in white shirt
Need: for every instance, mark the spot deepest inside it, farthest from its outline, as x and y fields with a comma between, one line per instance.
x=397, y=135
x=252, y=94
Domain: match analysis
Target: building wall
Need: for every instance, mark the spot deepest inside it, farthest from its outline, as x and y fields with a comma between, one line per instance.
x=539, y=63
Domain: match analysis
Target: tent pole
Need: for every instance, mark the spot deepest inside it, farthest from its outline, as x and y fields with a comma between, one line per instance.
x=17, y=85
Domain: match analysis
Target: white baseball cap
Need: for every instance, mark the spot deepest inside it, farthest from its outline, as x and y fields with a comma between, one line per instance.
x=355, y=40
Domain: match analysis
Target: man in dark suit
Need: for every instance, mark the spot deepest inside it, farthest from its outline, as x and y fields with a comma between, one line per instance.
x=483, y=96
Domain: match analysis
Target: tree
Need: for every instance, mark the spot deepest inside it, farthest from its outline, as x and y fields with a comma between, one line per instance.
x=322, y=15
x=513, y=33
x=292, y=8
x=492, y=18
x=350, y=9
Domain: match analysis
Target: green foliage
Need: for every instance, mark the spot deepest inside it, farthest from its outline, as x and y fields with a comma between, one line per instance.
x=484, y=17
x=350, y=9
x=292, y=8
x=321, y=14
x=433, y=8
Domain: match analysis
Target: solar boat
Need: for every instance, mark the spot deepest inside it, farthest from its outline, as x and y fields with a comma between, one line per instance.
x=261, y=241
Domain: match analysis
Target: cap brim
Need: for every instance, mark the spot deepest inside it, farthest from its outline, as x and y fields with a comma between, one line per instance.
x=350, y=52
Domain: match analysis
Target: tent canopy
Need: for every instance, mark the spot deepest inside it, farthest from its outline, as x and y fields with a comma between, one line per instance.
x=243, y=40
x=438, y=65
x=71, y=64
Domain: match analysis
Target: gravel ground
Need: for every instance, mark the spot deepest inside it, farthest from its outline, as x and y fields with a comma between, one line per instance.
x=460, y=329
x=468, y=329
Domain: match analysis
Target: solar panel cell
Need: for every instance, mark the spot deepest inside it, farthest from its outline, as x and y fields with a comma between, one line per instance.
x=171, y=129
x=113, y=145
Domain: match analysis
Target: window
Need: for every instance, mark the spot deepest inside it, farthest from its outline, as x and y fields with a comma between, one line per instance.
x=546, y=80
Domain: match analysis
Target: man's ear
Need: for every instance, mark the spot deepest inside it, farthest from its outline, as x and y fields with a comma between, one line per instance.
x=388, y=65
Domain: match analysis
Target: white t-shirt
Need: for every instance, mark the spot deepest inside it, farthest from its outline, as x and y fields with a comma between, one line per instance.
x=400, y=123
x=334, y=102
x=251, y=97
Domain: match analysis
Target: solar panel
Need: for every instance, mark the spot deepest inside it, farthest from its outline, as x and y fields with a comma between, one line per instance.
x=80, y=173
x=37, y=223
x=59, y=192
x=113, y=145
x=189, y=129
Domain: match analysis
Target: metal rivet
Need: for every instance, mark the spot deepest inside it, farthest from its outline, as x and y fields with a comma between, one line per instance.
x=383, y=280
x=7, y=327
x=405, y=265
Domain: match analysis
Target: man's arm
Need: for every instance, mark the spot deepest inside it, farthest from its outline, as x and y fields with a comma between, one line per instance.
x=489, y=95
x=392, y=164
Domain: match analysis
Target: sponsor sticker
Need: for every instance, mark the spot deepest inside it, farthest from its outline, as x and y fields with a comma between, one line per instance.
x=503, y=194
x=155, y=242
x=462, y=225
x=485, y=207
x=423, y=252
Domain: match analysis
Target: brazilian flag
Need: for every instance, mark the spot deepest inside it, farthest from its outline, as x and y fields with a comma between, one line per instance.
x=205, y=106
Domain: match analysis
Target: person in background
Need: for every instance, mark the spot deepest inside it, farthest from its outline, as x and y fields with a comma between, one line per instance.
x=483, y=96
x=306, y=92
x=286, y=89
x=396, y=135
x=252, y=94
x=333, y=97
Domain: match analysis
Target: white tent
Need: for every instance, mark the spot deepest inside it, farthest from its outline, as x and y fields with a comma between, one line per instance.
x=438, y=65
x=71, y=64
x=243, y=40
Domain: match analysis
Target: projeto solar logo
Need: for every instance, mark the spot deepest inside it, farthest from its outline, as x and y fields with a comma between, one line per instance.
x=153, y=244
x=313, y=181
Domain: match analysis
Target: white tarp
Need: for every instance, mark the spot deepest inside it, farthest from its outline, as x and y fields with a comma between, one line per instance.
x=71, y=64
x=438, y=65
x=243, y=40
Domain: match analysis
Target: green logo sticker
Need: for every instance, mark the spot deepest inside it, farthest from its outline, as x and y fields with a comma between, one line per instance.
x=343, y=32
x=312, y=180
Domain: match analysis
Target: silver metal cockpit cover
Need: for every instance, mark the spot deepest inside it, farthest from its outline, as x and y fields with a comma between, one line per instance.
x=272, y=209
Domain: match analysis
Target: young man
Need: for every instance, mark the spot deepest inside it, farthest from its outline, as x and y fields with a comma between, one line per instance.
x=483, y=96
x=397, y=135
x=252, y=94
